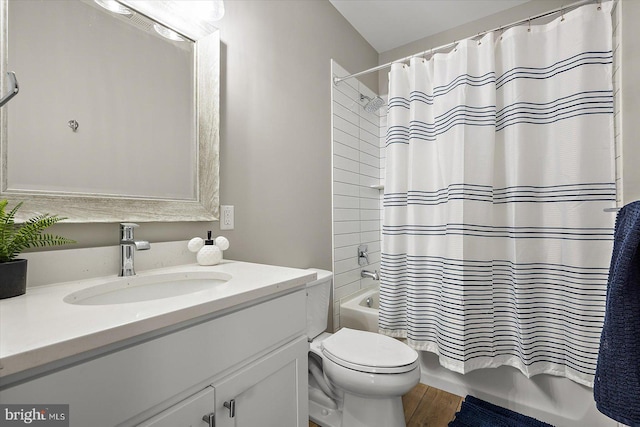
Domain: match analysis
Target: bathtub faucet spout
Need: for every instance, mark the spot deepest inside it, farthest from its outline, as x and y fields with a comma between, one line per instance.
x=370, y=274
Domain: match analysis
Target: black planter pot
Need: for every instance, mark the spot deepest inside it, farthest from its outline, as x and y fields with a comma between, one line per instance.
x=13, y=278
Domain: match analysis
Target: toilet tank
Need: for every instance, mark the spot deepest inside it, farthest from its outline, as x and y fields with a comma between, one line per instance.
x=318, y=299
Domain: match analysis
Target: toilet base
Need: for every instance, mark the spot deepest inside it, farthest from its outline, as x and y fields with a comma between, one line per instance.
x=361, y=411
x=358, y=411
x=323, y=416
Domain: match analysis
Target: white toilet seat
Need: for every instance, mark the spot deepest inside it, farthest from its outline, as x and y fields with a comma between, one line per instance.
x=369, y=352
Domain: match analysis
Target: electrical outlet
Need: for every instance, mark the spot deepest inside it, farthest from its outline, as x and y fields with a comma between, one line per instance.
x=226, y=217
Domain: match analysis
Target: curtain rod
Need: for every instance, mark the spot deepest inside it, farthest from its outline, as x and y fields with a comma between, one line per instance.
x=337, y=80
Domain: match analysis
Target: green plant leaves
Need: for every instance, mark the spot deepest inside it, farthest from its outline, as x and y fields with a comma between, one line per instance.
x=15, y=238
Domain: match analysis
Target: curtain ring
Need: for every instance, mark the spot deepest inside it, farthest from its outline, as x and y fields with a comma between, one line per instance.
x=501, y=32
x=529, y=29
x=599, y=4
x=562, y=14
x=479, y=41
x=455, y=44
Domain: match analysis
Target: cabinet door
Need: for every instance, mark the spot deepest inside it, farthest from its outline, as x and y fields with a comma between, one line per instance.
x=271, y=392
x=187, y=413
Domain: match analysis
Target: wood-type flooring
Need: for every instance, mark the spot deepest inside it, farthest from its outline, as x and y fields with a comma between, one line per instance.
x=426, y=406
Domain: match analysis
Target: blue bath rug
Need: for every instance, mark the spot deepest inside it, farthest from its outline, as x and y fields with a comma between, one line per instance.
x=478, y=413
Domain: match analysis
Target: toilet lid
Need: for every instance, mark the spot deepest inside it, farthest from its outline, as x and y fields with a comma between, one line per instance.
x=369, y=352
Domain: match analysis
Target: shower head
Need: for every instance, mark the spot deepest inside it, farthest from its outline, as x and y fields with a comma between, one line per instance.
x=373, y=104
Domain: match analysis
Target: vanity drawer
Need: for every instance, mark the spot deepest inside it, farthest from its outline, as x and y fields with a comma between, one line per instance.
x=244, y=334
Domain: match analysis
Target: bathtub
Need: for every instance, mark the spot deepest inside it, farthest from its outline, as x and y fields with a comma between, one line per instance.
x=361, y=311
x=556, y=400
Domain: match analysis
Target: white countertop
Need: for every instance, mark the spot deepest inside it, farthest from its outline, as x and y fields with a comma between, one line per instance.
x=39, y=327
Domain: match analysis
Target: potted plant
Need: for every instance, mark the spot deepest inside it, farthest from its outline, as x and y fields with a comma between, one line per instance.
x=15, y=238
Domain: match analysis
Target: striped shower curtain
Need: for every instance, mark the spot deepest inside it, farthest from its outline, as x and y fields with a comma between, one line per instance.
x=499, y=164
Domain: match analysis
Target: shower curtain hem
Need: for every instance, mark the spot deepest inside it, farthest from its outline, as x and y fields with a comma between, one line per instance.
x=495, y=362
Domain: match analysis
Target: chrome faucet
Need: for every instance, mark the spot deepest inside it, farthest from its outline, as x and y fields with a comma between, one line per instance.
x=370, y=274
x=127, y=246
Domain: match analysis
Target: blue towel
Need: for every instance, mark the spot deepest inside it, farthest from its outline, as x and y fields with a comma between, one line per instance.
x=617, y=382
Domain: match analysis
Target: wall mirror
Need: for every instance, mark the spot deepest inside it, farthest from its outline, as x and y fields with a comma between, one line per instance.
x=117, y=118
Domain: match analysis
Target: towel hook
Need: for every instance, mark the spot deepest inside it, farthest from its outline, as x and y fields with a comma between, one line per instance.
x=13, y=91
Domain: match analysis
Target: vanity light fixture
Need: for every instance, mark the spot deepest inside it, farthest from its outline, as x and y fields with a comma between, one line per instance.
x=167, y=33
x=114, y=6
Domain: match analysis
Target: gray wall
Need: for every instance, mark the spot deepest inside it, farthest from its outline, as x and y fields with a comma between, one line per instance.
x=275, y=133
x=630, y=63
x=276, y=125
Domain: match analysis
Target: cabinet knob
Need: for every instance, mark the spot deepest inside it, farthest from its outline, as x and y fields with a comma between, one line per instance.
x=231, y=406
x=210, y=419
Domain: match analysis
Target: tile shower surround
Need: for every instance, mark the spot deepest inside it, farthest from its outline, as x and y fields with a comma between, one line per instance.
x=357, y=207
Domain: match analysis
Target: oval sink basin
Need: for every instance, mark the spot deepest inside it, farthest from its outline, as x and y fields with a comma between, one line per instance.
x=147, y=288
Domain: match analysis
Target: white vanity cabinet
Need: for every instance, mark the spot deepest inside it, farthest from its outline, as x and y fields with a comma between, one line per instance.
x=191, y=412
x=254, y=359
x=265, y=393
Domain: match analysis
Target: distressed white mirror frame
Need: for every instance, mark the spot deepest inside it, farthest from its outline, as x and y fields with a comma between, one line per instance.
x=97, y=208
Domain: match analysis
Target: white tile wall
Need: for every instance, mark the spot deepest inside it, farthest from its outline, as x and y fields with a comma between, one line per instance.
x=356, y=206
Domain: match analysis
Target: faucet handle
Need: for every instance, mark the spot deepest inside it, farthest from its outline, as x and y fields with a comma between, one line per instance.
x=126, y=230
x=363, y=255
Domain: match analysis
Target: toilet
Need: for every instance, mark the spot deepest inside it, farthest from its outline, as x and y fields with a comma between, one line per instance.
x=356, y=378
